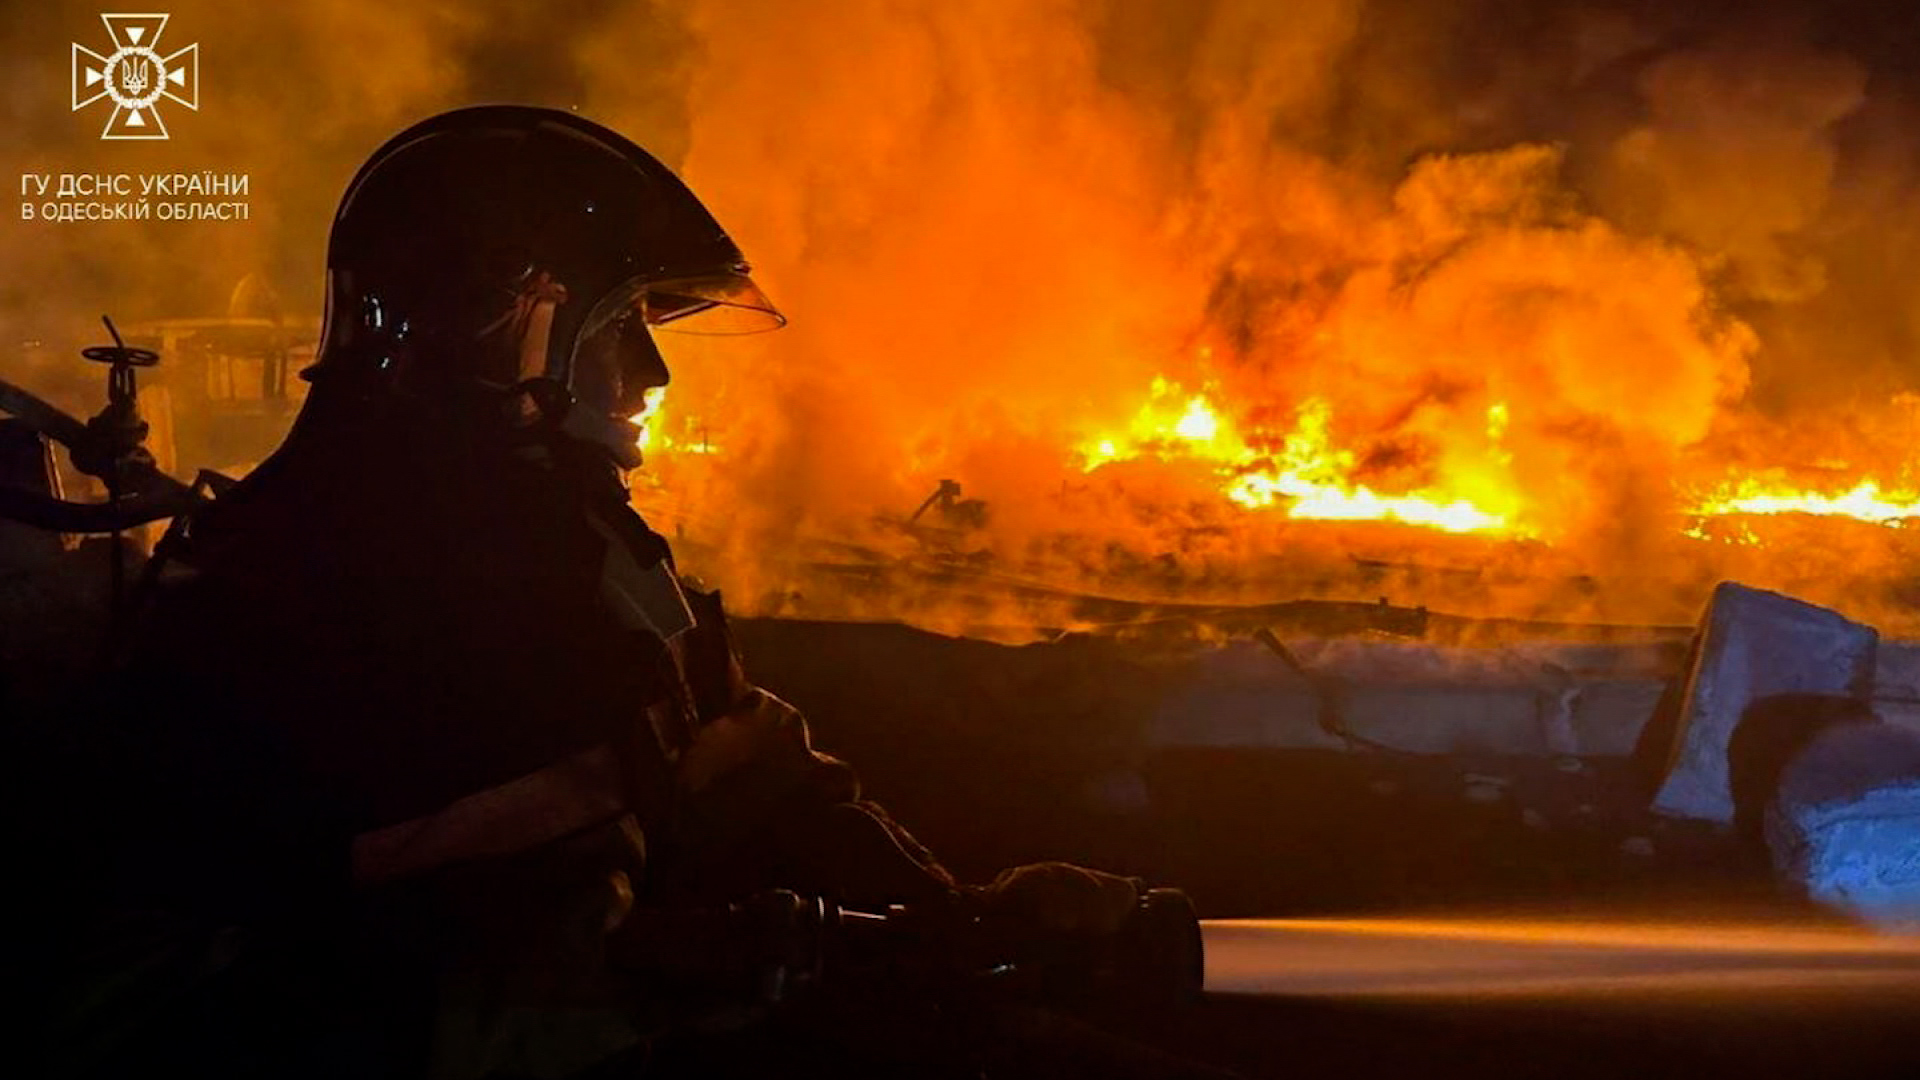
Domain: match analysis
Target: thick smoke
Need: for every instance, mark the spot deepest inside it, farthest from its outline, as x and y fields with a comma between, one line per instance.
x=1658, y=241
x=1001, y=224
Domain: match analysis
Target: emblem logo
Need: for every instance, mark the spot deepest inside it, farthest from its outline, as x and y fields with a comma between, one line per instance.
x=134, y=77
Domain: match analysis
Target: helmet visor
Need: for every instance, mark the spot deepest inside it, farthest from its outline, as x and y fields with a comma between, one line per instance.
x=721, y=303
x=717, y=304
x=614, y=359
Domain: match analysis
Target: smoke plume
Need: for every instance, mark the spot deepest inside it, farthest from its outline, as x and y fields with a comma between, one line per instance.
x=1570, y=263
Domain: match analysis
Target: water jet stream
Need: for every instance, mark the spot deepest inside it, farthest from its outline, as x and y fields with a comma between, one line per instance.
x=1509, y=957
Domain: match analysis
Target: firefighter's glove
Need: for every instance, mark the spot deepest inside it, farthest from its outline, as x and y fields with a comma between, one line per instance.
x=1061, y=898
x=761, y=727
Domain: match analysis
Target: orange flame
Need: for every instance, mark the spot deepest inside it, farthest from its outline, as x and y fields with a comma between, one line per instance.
x=1303, y=474
x=652, y=424
x=1865, y=501
x=1309, y=478
x=646, y=419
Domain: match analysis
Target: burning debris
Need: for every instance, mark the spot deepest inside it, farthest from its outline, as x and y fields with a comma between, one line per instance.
x=1615, y=296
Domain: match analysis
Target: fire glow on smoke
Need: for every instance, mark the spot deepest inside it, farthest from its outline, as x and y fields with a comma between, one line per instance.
x=1203, y=299
x=1214, y=301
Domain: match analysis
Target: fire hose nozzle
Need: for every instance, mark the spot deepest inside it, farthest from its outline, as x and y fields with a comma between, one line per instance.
x=778, y=943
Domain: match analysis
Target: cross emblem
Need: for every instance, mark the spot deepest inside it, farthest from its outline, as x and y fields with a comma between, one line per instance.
x=134, y=77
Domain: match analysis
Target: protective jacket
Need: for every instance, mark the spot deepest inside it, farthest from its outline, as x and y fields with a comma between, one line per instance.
x=418, y=726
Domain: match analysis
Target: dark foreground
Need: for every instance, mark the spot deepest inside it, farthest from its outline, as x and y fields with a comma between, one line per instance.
x=1682, y=960
x=1651, y=948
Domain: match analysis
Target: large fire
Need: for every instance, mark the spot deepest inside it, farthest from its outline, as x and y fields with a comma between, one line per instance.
x=1865, y=501
x=1209, y=300
x=1265, y=314
x=1296, y=471
x=1299, y=472
x=1264, y=465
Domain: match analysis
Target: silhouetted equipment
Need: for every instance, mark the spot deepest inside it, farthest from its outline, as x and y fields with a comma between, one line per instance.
x=26, y=467
x=117, y=436
x=110, y=447
x=228, y=392
x=779, y=943
x=951, y=508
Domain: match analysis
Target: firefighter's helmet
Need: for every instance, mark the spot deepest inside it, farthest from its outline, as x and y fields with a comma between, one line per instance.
x=509, y=246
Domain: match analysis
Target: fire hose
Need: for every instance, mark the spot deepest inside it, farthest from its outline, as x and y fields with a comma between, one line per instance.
x=779, y=944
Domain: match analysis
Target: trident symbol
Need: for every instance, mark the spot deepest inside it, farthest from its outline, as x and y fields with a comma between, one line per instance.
x=134, y=73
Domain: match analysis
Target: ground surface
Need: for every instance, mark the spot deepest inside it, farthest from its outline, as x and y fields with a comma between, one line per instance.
x=1650, y=948
x=1783, y=1030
